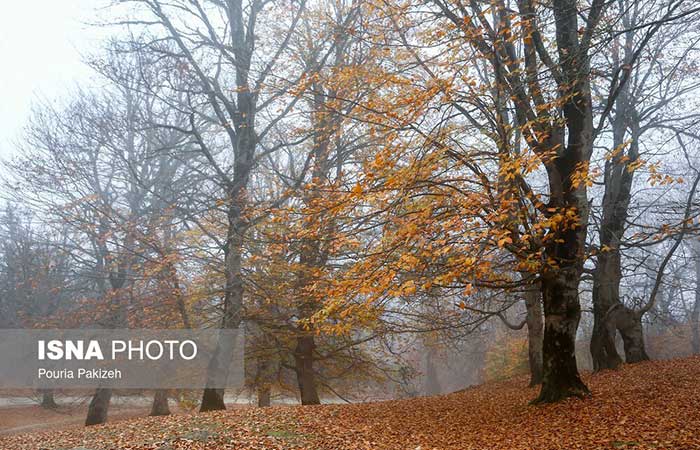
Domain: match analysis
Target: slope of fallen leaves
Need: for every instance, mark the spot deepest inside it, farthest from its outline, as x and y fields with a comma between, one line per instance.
x=647, y=405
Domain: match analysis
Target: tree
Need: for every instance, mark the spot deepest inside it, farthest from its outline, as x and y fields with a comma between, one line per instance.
x=504, y=206
x=214, y=53
x=96, y=169
x=638, y=113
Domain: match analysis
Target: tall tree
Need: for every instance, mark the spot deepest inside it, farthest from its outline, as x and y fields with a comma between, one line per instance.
x=637, y=113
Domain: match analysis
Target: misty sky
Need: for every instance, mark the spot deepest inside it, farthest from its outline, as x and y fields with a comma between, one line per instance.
x=40, y=42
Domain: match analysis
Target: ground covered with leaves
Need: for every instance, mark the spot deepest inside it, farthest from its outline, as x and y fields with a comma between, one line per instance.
x=648, y=405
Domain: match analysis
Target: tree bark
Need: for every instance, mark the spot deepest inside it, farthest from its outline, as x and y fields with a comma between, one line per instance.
x=239, y=115
x=603, y=351
x=535, y=330
x=629, y=323
x=306, y=378
x=160, y=403
x=562, y=314
x=48, y=400
x=264, y=395
x=606, y=285
x=694, y=313
x=564, y=249
x=312, y=255
x=213, y=395
x=212, y=400
x=99, y=405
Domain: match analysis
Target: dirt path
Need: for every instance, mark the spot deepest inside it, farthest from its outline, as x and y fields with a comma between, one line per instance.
x=32, y=418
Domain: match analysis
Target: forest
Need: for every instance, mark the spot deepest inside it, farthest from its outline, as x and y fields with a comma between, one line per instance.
x=391, y=198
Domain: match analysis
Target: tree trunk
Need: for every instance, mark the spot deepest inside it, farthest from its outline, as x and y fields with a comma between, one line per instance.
x=609, y=312
x=630, y=325
x=535, y=329
x=263, y=380
x=264, y=395
x=606, y=285
x=306, y=378
x=432, y=382
x=564, y=248
x=212, y=400
x=47, y=399
x=562, y=313
x=160, y=403
x=243, y=139
x=603, y=351
x=695, y=312
x=217, y=372
x=99, y=405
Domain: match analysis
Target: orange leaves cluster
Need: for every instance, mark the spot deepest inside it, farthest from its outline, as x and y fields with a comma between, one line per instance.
x=657, y=177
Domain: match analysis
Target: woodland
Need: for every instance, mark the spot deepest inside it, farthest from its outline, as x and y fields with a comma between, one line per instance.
x=393, y=198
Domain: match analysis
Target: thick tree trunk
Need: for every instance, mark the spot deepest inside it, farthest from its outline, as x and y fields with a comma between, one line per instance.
x=212, y=400
x=306, y=344
x=264, y=395
x=213, y=395
x=160, y=403
x=564, y=247
x=630, y=325
x=535, y=331
x=562, y=314
x=263, y=381
x=606, y=284
x=306, y=378
x=99, y=406
x=47, y=399
x=603, y=351
x=695, y=328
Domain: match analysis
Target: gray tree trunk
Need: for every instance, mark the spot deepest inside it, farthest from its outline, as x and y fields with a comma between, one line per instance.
x=47, y=399
x=160, y=405
x=535, y=334
x=431, y=386
x=99, y=406
x=606, y=284
x=213, y=395
x=630, y=326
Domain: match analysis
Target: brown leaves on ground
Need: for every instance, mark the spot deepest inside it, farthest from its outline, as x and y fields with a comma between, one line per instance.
x=648, y=405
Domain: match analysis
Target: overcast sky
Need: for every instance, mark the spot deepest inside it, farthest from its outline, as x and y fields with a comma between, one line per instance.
x=41, y=42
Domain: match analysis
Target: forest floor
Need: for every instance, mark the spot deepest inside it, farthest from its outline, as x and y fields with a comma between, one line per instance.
x=644, y=406
x=26, y=418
